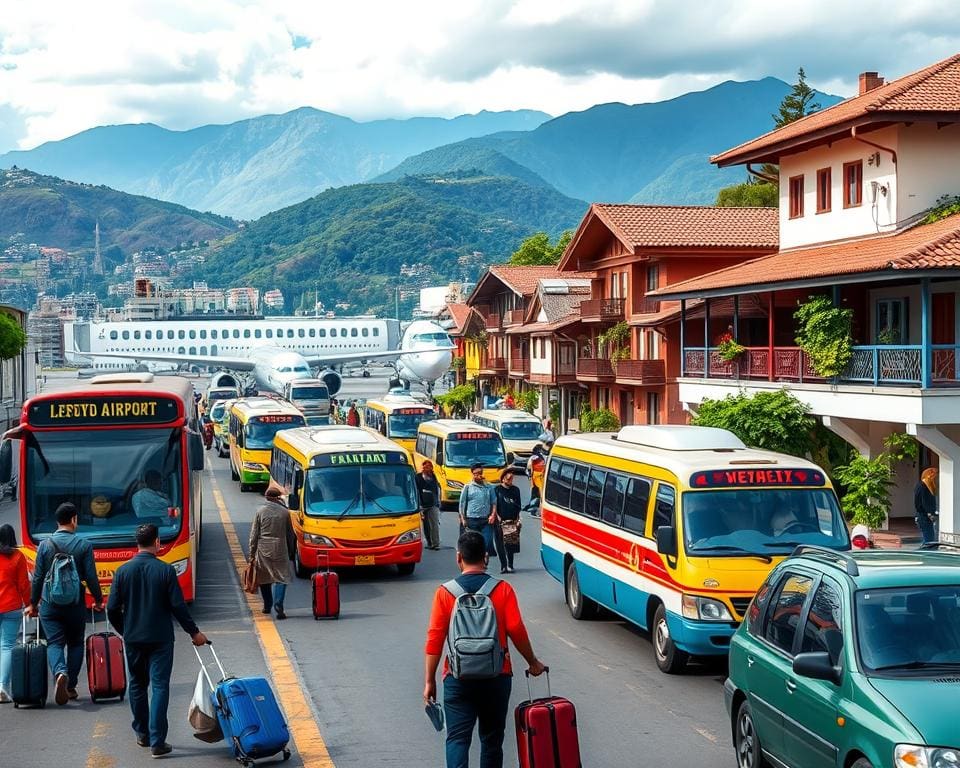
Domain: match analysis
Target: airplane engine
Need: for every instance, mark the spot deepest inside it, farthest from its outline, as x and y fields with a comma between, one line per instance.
x=332, y=379
x=224, y=379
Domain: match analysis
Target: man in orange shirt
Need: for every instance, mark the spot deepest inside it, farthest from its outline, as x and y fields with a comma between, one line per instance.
x=484, y=700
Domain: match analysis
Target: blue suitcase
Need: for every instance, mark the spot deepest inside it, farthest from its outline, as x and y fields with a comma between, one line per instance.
x=249, y=717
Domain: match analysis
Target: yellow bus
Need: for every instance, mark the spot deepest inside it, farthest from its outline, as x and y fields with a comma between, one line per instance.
x=675, y=528
x=397, y=418
x=220, y=416
x=254, y=422
x=453, y=445
x=352, y=498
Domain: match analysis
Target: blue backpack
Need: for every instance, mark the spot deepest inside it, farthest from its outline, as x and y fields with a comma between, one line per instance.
x=62, y=583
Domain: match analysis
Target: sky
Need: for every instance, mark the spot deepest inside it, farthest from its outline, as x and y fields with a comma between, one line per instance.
x=66, y=66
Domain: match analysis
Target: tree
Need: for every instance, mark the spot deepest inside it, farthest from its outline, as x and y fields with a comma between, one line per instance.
x=753, y=193
x=536, y=250
x=774, y=421
x=798, y=103
x=12, y=337
x=600, y=420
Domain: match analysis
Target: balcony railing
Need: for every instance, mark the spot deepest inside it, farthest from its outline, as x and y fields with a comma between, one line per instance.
x=566, y=372
x=882, y=364
x=492, y=321
x=648, y=306
x=602, y=310
x=520, y=365
x=495, y=364
x=594, y=368
x=641, y=371
x=514, y=317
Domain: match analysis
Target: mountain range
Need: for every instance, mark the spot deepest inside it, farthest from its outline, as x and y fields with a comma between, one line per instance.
x=643, y=153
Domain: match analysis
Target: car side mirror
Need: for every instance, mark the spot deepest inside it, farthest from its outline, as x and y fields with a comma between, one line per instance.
x=195, y=451
x=293, y=502
x=667, y=540
x=816, y=666
x=510, y=457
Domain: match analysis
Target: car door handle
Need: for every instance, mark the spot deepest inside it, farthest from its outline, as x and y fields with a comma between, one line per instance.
x=791, y=686
x=750, y=661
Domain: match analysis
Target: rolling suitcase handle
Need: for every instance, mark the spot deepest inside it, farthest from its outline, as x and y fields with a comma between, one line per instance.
x=24, y=628
x=203, y=667
x=526, y=673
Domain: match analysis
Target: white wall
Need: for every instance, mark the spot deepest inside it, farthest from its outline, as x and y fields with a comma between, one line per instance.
x=928, y=167
x=541, y=364
x=839, y=223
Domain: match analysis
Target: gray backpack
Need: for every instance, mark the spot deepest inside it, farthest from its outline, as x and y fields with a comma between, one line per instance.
x=473, y=642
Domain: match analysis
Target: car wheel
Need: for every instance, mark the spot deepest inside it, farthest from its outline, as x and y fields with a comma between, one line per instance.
x=862, y=763
x=406, y=569
x=670, y=659
x=581, y=607
x=302, y=571
x=745, y=741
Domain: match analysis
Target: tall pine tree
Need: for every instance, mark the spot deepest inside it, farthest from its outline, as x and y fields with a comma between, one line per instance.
x=798, y=103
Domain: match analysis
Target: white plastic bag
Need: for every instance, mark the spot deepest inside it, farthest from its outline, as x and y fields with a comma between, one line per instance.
x=201, y=715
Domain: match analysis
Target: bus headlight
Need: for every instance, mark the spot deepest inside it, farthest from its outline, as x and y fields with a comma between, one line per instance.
x=412, y=535
x=455, y=485
x=316, y=540
x=916, y=756
x=705, y=609
x=180, y=566
x=252, y=466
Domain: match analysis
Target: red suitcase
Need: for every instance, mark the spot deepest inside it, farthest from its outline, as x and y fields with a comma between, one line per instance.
x=326, y=595
x=547, y=731
x=106, y=673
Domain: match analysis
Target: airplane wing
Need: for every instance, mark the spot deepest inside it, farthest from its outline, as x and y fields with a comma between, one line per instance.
x=233, y=363
x=348, y=357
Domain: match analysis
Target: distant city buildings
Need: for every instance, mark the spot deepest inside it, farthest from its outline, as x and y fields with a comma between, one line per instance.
x=273, y=299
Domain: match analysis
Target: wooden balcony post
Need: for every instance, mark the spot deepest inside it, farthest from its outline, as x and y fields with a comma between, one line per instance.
x=706, y=338
x=770, y=334
x=926, y=349
x=736, y=318
x=683, y=350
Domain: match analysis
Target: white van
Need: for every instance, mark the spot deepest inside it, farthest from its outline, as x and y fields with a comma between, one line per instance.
x=518, y=429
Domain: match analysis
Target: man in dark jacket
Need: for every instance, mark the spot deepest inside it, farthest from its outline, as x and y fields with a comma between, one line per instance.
x=64, y=625
x=144, y=597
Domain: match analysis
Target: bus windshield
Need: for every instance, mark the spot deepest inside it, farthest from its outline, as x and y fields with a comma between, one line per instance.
x=259, y=434
x=216, y=413
x=117, y=478
x=310, y=393
x=405, y=424
x=487, y=450
x=360, y=491
x=520, y=430
x=768, y=521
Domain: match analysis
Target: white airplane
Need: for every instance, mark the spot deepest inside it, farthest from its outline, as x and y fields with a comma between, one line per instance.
x=273, y=351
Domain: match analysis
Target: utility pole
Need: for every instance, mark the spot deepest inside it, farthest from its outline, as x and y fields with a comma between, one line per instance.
x=397, y=299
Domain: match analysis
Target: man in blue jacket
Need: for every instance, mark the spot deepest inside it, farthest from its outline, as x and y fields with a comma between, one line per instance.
x=64, y=624
x=144, y=599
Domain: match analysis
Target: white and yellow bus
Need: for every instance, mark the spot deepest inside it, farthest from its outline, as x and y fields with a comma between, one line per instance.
x=253, y=424
x=397, y=418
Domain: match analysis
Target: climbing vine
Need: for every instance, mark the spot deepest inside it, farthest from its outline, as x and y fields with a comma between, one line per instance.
x=616, y=341
x=825, y=334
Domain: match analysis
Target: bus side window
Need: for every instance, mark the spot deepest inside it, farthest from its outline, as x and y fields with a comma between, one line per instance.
x=635, y=505
x=438, y=457
x=663, y=507
x=579, y=489
x=614, y=489
x=558, y=483
x=591, y=507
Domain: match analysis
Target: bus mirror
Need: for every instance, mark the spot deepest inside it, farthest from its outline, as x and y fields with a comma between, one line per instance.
x=6, y=461
x=195, y=451
x=510, y=458
x=667, y=540
x=293, y=502
x=297, y=480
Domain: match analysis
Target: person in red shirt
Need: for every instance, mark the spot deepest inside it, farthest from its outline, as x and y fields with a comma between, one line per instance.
x=14, y=595
x=484, y=701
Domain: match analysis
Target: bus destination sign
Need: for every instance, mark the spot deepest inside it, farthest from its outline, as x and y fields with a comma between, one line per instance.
x=745, y=478
x=412, y=411
x=279, y=419
x=358, y=459
x=103, y=411
x=473, y=436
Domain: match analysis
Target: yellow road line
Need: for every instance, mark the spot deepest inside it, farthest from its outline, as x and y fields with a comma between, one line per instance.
x=303, y=726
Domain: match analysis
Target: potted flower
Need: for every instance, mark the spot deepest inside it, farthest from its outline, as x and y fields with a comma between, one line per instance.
x=729, y=349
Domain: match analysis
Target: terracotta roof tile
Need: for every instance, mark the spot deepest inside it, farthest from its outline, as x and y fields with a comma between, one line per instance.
x=933, y=89
x=691, y=226
x=522, y=280
x=925, y=246
x=459, y=313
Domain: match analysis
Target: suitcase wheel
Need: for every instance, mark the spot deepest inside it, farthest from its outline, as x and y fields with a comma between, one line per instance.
x=16, y=705
x=286, y=755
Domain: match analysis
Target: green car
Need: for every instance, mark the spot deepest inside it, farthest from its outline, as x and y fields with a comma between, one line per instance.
x=850, y=660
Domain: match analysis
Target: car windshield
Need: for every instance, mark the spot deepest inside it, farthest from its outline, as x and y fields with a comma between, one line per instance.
x=769, y=521
x=310, y=393
x=910, y=630
x=260, y=434
x=405, y=424
x=488, y=451
x=117, y=478
x=520, y=430
x=336, y=491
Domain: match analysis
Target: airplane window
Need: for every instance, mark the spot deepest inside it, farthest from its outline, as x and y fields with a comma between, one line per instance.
x=284, y=369
x=203, y=350
x=148, y=335
x=181, y=335
x=181, y=351
x=289, y=333
x=333, y=331
x=193, y=350
x=246, y=333
x=366, y=331
x=126, y=335
x=322, y=333
x=343, y=333
x=353, y=331
x=192, y=334
x=236, y=333
x=313, y=332
x=136, y=334
x=213, y=333
x=302, y=369
x=113, y=335
x=376, y=331
x=169, y=334
x=300, y=333
x=203, y=333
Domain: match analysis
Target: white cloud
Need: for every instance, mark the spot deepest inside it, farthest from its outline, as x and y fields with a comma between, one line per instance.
x=66, y=66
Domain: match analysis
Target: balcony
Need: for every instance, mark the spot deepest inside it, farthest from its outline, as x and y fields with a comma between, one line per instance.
x=492, y=321
x=641, y=372
x=648, y=306
x=594, y=369
x=514, y=317
x=493, y=366
x=563, y=373
x=602, y=310
x=519, y=366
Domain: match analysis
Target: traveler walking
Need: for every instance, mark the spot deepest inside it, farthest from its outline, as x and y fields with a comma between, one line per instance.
x=353, y=416
x=547, y=437
x=14, y=595
x=144, y=597
x=64, y=565
x=478, y=507
x=925, y=504
x=273, y=544
x=428, y=490
x=508, y=521
x=476, y=688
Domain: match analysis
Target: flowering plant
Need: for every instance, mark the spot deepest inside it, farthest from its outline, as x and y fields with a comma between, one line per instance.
x=729, y=349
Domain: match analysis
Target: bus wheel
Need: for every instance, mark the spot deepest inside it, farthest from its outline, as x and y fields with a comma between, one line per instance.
x=234, y=475
x=581, y=607
x=406, y=569
x=244, y=487
x=302, y=571
x=669, y=658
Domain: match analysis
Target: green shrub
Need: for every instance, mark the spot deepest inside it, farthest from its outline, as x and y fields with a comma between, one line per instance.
x=601, y=420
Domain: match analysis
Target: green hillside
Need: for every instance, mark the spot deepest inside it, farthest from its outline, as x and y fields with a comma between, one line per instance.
x=350, y=242
x=62, y=214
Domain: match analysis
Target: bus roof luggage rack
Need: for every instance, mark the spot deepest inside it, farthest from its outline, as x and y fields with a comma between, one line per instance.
x=833, y=555
x=122, y=378
x=676, y=437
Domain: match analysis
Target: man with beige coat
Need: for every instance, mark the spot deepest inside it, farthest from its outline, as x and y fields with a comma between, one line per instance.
x=273, y=545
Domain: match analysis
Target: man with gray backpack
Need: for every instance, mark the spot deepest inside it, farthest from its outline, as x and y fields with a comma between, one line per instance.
x=64, y=564
x=472, y=617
